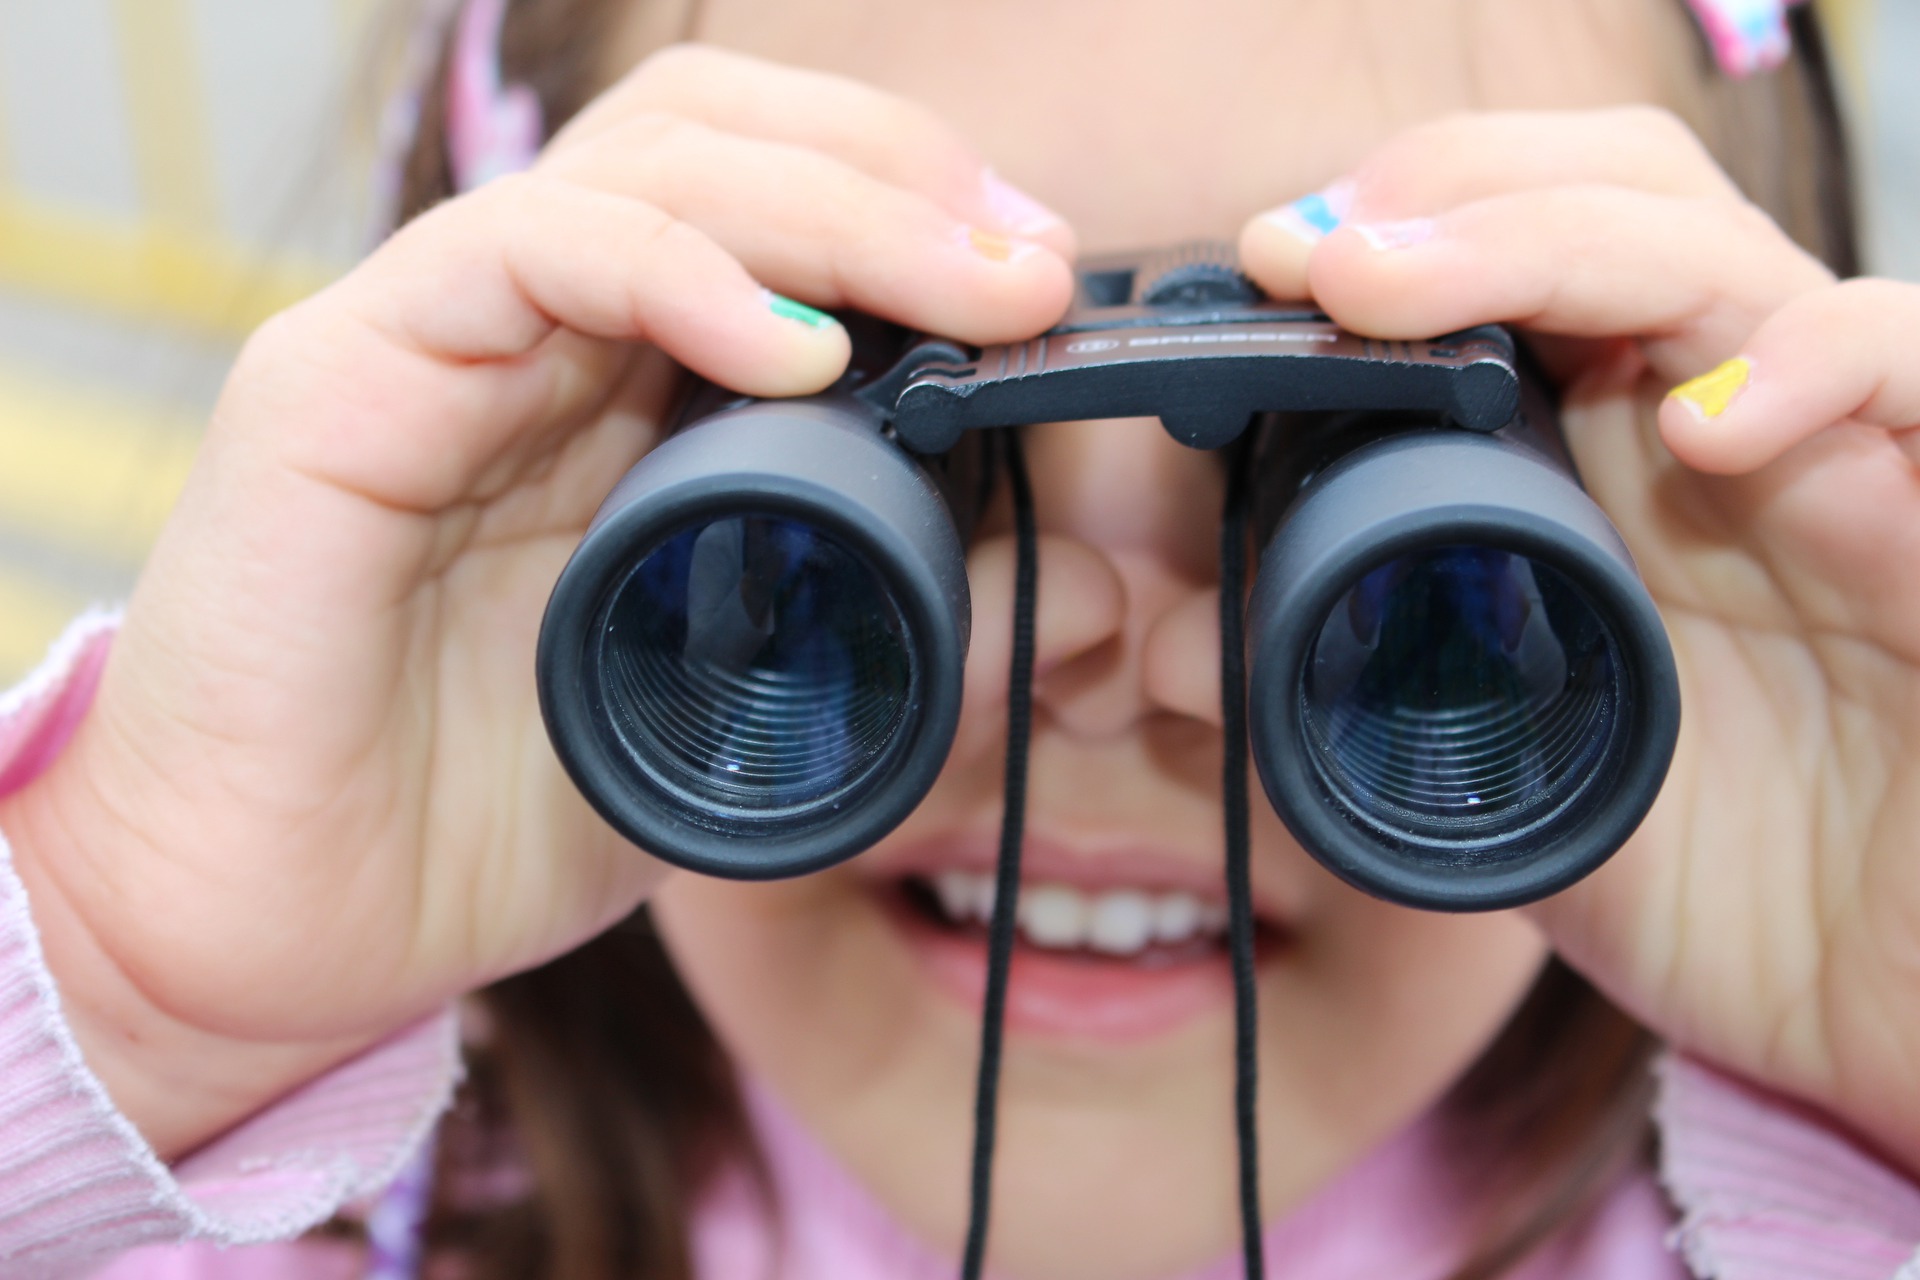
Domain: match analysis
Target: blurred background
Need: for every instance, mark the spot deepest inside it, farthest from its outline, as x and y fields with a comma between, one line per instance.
x=173, y=171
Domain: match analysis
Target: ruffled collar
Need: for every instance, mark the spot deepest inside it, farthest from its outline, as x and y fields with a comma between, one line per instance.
x=1392, y=1214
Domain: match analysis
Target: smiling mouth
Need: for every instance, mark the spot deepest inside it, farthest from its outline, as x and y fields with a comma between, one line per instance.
x=1116, y=943
x=1116, y=964
x=1142, y=925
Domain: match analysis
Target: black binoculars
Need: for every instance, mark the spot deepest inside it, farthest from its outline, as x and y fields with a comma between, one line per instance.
x=1461, y=696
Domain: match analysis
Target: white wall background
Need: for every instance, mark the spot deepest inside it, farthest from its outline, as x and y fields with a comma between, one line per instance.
x=1891, y=136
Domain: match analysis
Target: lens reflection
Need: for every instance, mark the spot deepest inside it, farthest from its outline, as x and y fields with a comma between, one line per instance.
x=1459, y=694
x=753, y=665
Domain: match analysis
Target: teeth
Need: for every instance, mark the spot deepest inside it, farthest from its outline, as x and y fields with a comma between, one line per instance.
x=1176, y=916
x=956, y=894
x=1119, y=922
x=985, y=892
x=1052, y=915
x=965, y=896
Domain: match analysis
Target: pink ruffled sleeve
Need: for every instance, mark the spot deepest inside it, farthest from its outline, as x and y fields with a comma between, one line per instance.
x=78, y=1184
x=1768, y=1190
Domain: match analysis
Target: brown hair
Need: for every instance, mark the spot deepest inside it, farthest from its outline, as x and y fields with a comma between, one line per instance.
x=598, y=1078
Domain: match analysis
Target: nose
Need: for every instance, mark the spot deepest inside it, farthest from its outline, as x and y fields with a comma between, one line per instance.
x=1127, y=617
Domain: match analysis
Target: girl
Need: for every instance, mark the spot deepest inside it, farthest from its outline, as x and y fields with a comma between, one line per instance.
x=306, y=802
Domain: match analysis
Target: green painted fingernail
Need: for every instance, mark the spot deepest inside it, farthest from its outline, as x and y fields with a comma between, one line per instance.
x=787, y=309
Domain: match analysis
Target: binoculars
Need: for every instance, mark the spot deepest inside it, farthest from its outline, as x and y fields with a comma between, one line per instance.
x=1461, y=696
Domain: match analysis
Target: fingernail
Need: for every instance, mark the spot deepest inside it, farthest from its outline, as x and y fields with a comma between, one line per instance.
x=787, y=309
x=1313, y=217
x=1709, y=395
x=1014, y=209
x=995, y=247
x=1396, y=235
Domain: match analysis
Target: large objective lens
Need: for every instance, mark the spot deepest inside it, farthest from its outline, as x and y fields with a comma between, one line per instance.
x=1460, y=695
x=754, y=666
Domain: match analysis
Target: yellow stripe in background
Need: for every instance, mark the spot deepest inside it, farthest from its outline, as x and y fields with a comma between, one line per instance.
x=1848, y=24
x=85, y=472
x=32, y=615
x=172, y=267
x=161, y=73
x=151, y=274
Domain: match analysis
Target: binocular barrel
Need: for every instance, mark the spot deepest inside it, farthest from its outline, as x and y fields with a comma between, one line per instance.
x=752, y=664
x=1461, y=696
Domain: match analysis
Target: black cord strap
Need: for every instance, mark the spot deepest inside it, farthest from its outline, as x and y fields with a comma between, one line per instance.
x=1233, y=788
x=1233, y=680
x=1006, y=900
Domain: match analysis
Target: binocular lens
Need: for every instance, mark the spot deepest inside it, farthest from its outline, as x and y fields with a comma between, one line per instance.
x=751, y=665
x=1458, y=695
x=754, y=665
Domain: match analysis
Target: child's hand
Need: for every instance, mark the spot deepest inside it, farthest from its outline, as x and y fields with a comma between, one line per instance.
x=1767, y=915
x=314, y=799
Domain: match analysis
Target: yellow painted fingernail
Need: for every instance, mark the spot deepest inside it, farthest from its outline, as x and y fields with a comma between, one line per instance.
x=996, y=248
x=1709, y=394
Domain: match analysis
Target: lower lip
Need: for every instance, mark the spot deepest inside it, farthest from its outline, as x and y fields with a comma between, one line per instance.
x=1073, y=994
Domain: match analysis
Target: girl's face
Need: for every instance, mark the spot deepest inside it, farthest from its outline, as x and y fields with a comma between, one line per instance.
x=855, y=994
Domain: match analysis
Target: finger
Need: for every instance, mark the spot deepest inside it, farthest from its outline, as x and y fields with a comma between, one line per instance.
x=490, y=277
x=458, y=341
x=1692, y=278
x=1459, y=159
x=812, y=227
x=1839, y=354
x=1471, y=156
x=889, y=138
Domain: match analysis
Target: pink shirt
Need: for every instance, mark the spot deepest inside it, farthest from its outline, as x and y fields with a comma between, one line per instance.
x=1766, y=1190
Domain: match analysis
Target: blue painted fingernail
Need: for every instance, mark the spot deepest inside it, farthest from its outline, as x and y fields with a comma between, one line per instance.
x=1313, y=217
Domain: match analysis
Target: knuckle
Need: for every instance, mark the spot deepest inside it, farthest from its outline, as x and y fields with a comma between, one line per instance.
x=1870, y=296
x=1431, y=141
x=1758, y=230
x=1401, y=169
x=653, y=238
x=1653, y=120
x=688, y=62
x=276, y=341
x=1753, y=222
x=1447, y=135
x=900, y=118
x=639, y=133
x=508, y=202
x=651, y=129
x=660, y=231
x=1662, y=128
x=658, y=238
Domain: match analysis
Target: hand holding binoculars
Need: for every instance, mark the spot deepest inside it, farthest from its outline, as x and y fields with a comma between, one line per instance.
x=1461, y=695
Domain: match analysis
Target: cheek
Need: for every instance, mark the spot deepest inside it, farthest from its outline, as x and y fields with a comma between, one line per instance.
x=1384, y=1008
x=814, y=996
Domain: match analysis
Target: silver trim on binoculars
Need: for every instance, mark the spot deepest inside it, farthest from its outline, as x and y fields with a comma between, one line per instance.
x=1461, y=696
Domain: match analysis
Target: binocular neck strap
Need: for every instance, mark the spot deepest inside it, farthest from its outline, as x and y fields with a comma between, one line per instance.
x=1233, y=680
x=1233, y=792
x=1013, y=818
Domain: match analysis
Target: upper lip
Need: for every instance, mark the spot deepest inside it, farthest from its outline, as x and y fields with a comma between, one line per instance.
x=1047, y=859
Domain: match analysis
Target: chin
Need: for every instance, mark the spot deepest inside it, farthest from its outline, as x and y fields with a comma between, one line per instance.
x=855, y=996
